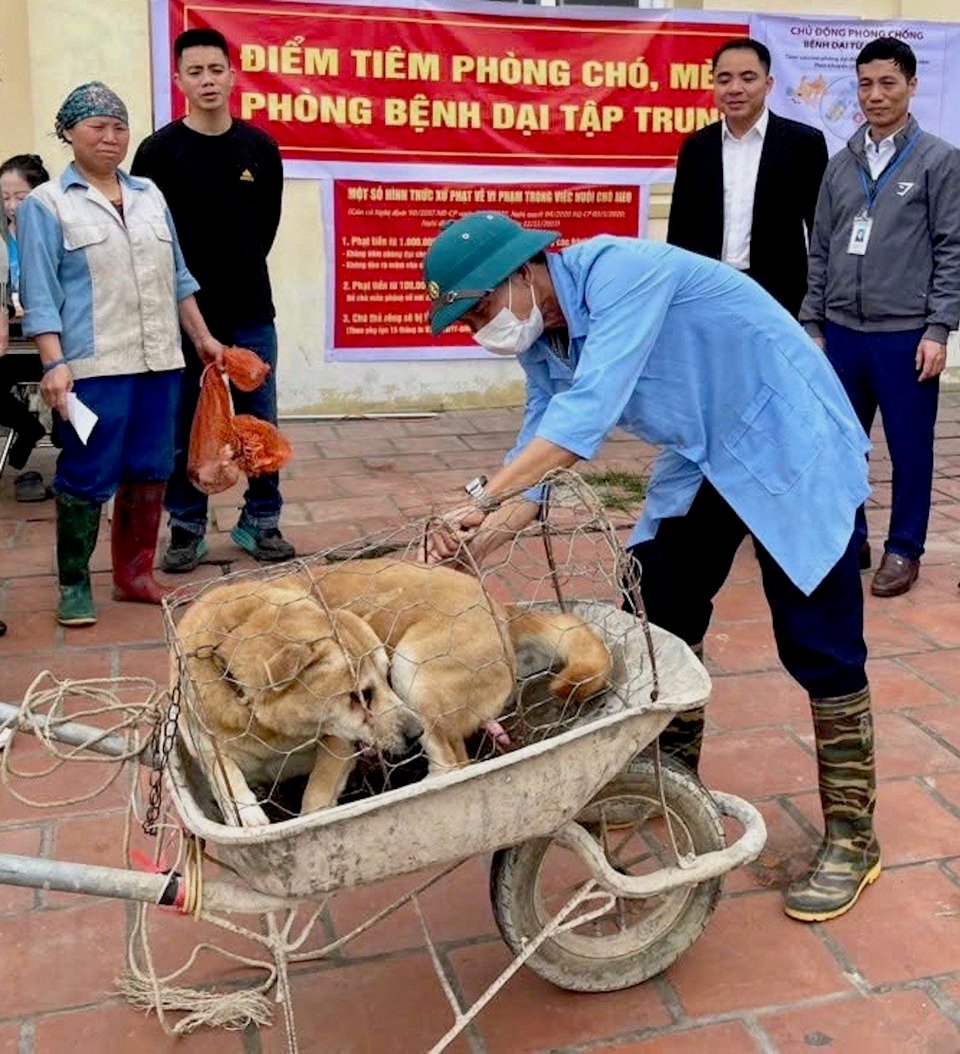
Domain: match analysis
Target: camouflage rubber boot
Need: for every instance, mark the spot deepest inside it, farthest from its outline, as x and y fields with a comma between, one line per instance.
x=683, y=737
x=78, y=523
x=849, y=857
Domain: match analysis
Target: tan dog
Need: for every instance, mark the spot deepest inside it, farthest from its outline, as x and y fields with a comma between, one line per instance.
x=283, y=688
x=292, y=673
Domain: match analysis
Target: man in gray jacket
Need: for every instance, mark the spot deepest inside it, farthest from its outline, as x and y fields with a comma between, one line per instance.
x=884, y=288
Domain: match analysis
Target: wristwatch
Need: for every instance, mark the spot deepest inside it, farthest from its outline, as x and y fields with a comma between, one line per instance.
x=477, y=489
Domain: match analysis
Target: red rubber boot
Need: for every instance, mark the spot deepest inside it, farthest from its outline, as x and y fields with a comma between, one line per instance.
x=137, y=509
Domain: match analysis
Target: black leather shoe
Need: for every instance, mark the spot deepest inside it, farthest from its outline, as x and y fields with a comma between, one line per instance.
x=895, y=575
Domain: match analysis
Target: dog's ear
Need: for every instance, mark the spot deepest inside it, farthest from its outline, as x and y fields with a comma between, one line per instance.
x=287, y=662
x=369, y=604
x=269, y=652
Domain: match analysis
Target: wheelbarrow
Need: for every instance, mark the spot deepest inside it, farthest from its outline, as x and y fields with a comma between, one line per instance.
x=606, y=861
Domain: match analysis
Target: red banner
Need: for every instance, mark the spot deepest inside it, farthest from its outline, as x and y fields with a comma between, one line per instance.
x=382, y=231
x=345, y=83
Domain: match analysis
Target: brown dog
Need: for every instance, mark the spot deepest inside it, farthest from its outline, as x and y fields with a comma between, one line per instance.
x=292, y=673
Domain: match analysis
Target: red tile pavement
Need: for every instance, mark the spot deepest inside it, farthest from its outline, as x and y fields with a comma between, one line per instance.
x=884, y=978
x=748, y=958
x=890, y=1023
x=710, y=1039
x=369, y=1008
x=121, y=1029
x=550, y=1017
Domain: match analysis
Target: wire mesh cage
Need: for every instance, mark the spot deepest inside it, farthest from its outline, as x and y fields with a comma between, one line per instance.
x=348, y=674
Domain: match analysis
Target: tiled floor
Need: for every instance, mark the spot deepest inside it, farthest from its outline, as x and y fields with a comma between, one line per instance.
x=885, y=978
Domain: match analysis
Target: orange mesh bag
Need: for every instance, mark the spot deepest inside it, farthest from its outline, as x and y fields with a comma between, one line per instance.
x=246, y=370
x=261, y=447
x=221, y=445
x=210, y=456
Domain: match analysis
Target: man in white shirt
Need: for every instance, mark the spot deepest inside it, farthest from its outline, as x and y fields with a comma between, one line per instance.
x=741, y=164
x=879, y=153
x=746, y=187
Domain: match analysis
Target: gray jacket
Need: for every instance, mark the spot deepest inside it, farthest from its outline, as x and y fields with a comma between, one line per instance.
x=909, y=277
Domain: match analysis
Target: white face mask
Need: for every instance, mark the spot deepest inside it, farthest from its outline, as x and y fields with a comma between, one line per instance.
x=508, y=335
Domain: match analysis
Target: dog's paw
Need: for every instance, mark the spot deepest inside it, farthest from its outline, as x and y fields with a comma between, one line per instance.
x=252, y=816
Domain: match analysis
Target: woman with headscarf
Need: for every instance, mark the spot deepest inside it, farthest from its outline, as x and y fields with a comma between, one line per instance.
x=105, y=290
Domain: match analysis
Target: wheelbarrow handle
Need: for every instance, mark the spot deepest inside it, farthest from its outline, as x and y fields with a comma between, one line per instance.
x=702, y=868
x=74, y=734
x=120, y=884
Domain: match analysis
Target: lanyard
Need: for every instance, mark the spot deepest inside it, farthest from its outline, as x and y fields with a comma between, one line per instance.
x=871, y=195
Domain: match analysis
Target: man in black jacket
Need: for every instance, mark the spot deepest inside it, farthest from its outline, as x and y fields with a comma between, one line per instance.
x=746, y=187
x=223, y=181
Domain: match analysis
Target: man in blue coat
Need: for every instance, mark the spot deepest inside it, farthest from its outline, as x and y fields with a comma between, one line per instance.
x=757, y=437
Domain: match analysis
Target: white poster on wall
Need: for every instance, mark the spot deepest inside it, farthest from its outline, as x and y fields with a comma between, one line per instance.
x=951, y=99
x=815, y=77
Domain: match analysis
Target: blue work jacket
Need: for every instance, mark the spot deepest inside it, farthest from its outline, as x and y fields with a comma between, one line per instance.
x=688, y=353
x=108, y=285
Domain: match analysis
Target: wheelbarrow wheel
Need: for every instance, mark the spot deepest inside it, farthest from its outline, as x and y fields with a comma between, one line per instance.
x=637, y=938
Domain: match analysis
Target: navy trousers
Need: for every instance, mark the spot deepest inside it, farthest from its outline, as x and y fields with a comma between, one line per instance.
x=878, y=370
x=132, y=439
x=819, y=637
x=186, y=505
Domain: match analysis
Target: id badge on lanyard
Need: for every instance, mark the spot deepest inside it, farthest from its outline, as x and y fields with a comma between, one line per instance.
x=860, y=234
x=863, y=221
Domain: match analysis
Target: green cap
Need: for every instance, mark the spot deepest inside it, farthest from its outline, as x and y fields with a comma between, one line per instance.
x=471, y=257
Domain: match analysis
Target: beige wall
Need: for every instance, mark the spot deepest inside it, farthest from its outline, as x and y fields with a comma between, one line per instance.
x=16, y=105
x=48, y=47
x=54, y=45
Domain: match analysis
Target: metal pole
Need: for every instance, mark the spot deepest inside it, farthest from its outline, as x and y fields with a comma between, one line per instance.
x=116, y=882
x=87, y=737
x=36, y=873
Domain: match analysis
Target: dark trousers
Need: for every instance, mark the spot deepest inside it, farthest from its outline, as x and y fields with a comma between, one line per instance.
x=819, y=637
x=878, y=370
x=132, y=439
x=186, y=505
x=15, y=368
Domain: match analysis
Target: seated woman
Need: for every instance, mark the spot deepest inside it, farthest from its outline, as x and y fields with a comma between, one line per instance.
x=4, y=329
x=18, y=176
x=103, y=285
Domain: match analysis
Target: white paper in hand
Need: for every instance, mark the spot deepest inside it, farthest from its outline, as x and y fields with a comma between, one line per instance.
x=81, y=417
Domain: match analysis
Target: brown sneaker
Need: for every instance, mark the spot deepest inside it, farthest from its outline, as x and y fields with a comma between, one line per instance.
x=895, y=575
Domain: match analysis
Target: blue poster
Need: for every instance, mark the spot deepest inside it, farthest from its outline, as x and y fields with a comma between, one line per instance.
x=815, y=77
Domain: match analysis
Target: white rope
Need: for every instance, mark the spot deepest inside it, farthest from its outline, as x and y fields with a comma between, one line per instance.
x=43, y=711
x=558, y=924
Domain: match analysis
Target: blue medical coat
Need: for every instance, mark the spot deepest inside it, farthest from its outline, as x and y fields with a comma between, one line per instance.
x=690, y=354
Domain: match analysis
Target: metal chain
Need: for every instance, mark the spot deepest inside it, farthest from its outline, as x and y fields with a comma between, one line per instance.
x=162, y=739
x=543, y=515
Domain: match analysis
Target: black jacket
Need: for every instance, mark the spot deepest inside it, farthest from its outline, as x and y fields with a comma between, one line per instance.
x=792, y=163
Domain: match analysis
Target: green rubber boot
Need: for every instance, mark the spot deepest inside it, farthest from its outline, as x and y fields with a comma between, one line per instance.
x=849, y=857
x=78, y=523
x=683, y=737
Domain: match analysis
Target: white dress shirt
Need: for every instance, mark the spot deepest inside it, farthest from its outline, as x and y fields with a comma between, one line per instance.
x=879, y=154
x=741, y=163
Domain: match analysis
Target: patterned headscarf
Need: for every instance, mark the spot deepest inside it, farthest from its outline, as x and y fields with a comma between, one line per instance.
x=89, y=100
